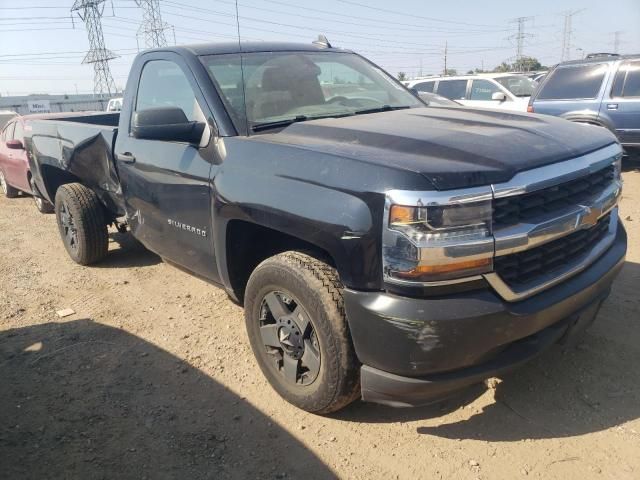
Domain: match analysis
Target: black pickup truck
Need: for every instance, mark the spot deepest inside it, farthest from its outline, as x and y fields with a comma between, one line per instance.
x=382, y=249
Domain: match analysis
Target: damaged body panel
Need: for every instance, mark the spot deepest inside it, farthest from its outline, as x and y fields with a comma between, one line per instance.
x=77, y=147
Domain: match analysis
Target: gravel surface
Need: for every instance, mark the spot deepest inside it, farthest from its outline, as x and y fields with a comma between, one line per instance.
x=152, y=377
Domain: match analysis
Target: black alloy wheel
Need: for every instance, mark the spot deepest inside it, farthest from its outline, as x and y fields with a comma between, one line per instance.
x=289, y=336
x=69, y=229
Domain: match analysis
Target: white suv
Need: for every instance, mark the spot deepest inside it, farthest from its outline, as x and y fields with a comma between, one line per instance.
x=508, y=91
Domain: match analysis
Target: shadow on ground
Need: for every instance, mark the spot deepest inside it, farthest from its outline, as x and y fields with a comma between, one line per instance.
x=568, y=391
x=125, y=252
x=84, y=400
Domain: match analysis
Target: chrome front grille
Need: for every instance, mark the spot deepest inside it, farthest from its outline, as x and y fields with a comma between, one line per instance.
x=520, y=208
x=530, y=265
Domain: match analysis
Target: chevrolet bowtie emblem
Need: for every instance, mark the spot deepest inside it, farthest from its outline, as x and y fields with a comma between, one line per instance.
x=590, y=218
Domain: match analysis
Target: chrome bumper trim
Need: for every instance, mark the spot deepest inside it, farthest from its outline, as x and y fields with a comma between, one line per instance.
x=554, y=278
x=524, y=236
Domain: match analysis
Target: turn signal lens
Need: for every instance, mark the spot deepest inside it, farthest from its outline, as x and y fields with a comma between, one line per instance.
x=422, y=270
x=402, y=215
x=530, y=109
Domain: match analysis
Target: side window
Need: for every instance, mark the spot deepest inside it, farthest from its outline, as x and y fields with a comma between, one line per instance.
x=453, y=89
x=482, y=90
x=18, y=133
x=424, y=87
x=569, y=83
x=164, y=84
x=627, y=81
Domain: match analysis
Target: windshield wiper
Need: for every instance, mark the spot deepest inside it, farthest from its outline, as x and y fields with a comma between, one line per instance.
x=382, y=108
x=298, y=118
x=278, y=123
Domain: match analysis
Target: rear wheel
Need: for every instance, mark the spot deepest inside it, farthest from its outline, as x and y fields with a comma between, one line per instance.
x=82, y=223
x=7, y=189
x=41, y=204
x=296, y=324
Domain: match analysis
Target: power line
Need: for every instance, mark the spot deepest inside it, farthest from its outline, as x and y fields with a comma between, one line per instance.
x=616, y=40
x=413, y=15
x=90, y=12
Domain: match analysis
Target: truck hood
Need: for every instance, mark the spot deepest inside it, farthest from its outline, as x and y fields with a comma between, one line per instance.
x=451, y=147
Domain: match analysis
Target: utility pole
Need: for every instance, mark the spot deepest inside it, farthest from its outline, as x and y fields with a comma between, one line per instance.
x=445, y=58
x=616, y=41
x=567, y=33
x=520, y=37
x=152, y=26
x=90, y=12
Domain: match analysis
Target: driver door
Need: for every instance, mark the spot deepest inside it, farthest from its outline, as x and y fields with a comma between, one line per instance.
x=166, y=183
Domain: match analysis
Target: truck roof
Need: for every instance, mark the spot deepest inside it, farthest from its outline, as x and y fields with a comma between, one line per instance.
x=220, y=48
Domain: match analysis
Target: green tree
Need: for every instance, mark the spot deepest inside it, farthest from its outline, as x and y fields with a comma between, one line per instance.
x=402, y=76
x=503, y=67
x=526, y=64
x=451, y=72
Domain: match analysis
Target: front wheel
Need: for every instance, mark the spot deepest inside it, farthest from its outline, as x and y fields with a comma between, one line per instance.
x=296, y=324
x=82, y=223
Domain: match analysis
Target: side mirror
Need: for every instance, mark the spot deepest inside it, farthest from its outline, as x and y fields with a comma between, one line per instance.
x=166, y=123
x=499, y=96
x=15, y=144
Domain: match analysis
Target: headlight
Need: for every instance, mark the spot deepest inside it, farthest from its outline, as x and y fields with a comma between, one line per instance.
x=437, y=242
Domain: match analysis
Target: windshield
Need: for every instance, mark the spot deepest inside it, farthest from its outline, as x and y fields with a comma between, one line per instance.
x=283, y=87
x=519, y=85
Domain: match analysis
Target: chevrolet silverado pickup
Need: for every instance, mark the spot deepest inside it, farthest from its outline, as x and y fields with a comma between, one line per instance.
x=382, y=249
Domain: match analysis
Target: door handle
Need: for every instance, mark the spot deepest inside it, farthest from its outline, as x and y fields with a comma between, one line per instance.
x=612, y=106
x=126, y=157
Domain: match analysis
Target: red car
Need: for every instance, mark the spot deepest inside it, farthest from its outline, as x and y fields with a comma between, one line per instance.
x=14, y=166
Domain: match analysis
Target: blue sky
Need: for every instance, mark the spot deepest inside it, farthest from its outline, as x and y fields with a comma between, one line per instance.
x=41, y=49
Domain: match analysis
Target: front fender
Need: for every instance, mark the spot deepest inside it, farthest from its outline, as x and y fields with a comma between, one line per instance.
x=327, y=200
x=340, y=223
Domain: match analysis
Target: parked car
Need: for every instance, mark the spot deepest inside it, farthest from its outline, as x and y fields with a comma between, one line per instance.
x=508, y=91
x=114, y=105
x=5, y=116
x=15, y=174
x=602, y=90
x=382, y=249
x=435, y=100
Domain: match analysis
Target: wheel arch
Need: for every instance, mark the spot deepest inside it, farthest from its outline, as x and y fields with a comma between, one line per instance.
x=590, y=118
x=247, y=244
x=52, y=179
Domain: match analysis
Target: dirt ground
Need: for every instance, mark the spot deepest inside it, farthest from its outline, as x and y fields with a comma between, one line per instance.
x=153, y=377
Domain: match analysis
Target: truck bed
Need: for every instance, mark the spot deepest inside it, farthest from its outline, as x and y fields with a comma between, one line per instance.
x=79, y=148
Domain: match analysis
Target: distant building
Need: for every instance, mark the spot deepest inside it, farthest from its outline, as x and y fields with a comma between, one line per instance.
x=35, y=103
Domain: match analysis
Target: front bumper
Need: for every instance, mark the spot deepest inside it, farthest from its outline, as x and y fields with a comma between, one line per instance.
x=417, y=350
